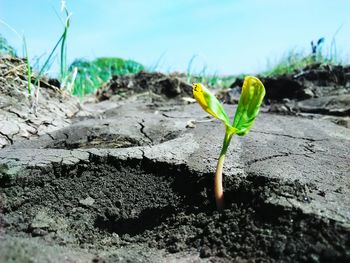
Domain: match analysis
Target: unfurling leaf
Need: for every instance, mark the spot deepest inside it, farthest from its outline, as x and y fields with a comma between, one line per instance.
x=210, y=103
x=253, y=92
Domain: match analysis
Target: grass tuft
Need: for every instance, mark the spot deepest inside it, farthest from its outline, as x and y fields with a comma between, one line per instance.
x=295, y=60
x=6, y=48
x=212, y=80
x=91, y=75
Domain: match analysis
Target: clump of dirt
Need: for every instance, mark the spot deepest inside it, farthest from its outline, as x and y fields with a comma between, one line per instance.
x=317, y=80
x=169, y=86
x=23, y=115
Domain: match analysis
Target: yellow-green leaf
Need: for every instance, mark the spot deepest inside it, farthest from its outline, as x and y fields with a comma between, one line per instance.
x=252, y=94
x=210, y=103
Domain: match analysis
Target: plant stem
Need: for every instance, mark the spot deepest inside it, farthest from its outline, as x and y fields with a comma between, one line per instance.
x=218, y=187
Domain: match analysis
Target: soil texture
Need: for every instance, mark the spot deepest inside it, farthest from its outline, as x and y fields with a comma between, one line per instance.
x=131, y=179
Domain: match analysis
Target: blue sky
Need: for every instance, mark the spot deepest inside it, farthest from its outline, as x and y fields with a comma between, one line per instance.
x=228, y=37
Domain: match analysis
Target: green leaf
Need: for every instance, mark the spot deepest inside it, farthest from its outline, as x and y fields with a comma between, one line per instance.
x=210, y=103
x=253, y=92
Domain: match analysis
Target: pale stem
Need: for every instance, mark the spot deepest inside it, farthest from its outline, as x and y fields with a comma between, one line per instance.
x=218, y=187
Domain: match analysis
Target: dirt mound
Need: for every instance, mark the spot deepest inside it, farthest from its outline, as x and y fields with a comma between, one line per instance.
x=155, y=83
x=286, y=202
x=18, y=118
x=317, y=89
x=316, y=80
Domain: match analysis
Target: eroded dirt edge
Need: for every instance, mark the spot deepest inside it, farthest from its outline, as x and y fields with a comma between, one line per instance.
x=98, y=199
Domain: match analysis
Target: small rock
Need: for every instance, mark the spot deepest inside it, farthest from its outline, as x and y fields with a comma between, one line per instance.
x=189, y=100
x=39, y=232
x=87, y=201
x=308, y=92
x=191, y=124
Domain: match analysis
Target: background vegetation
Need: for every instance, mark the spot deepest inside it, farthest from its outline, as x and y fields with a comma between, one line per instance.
x=5, y=47
x=84, y=77
x=93, y=74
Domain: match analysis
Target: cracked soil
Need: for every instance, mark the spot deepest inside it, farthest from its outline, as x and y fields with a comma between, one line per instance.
x=132, y=182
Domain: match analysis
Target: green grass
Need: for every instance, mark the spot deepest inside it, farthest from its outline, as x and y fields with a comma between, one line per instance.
x=289, y=63
x=91, y=75
x=63, y=50
x=82, y=77
x=295, y=60
x=29, y=69
x=6, y=48
x=212, y=80
x=62, y=42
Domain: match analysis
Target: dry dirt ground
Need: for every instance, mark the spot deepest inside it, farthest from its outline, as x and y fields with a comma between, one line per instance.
x=130, y=180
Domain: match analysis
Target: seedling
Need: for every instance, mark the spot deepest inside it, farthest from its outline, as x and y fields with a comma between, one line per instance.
x=252, y=94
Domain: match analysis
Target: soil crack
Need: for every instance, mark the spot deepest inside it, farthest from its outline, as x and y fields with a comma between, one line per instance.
x=7, y=137
x=142, y=130
x=289, y=136
x=50, y=135
x=267, y=158
x=15, y=113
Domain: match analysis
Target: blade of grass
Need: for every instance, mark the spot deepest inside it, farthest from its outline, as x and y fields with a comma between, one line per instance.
x=47, y=60
x=29, y=70
x=189, y=68
x=63, y=66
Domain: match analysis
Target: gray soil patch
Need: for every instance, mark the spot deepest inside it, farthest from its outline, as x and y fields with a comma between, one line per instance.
x=130, y=180
x=286, y=184
x=24, y=116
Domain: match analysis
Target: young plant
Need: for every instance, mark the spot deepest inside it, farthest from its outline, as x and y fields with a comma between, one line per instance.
x=252, y=94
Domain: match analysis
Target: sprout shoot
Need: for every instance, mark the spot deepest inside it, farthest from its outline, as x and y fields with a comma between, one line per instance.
x=252, y=94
